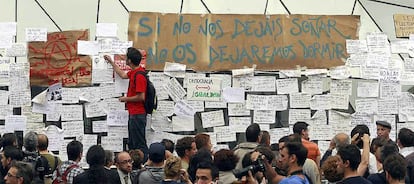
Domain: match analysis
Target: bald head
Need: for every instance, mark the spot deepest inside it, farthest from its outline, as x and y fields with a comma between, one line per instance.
x=42, y=142
x=342, y=139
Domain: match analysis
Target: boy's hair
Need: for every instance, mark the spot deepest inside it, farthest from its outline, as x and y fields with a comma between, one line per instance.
x=134, y=55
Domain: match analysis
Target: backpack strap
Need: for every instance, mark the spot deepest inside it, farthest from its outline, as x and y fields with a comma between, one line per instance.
x=65, y=174
x=135, y=76
x=56, y=162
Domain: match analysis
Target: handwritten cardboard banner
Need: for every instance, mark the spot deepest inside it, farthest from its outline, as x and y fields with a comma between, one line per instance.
x=224, y=42
x=204, y=89
x=57, y=60
x=404, y=25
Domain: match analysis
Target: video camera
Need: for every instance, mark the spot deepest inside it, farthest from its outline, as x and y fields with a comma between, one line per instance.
x=256, y=166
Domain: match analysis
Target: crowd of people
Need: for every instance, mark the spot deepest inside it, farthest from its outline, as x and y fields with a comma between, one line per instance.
x=357, y=157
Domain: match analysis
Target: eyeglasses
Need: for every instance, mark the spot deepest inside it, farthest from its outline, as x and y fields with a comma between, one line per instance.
x=126, y=162
x=10, y=175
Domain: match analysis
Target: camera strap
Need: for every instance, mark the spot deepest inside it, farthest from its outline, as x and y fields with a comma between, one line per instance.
x=296, y=172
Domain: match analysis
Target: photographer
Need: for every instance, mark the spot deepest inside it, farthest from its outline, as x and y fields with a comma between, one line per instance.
x=292, y=158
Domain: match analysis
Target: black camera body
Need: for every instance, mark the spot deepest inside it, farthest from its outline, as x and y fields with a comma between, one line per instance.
x=256, y=166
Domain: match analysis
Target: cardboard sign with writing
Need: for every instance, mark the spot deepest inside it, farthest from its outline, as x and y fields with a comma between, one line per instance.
x=225, y=42
x=57, y=60
x=404, y=25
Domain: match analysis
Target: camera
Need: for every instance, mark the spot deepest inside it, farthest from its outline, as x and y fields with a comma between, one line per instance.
x=256, y=166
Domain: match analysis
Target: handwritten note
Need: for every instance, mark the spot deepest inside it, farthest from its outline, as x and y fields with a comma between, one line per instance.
x=225, y=79
x=73, y=129
x=264, y=116
x=235, y=95
x=356, y=46
x=165, y=108
x=198, y=106
x=287, y=86
x=93, y=110
x=54, y=134
x=107, y=91
x=266, y=102
x=32, y=117
x=175, y=90
x=182, y=123
x=320, y=102
x=160, y=123
x=88, y=47
x=212, y=118
x=100, y=76
x=71, y=113
x=239, y=124
x=339, y=101
x=366, y=105
x=225, y=134
x=159, y=80
x=264, y=83
x=319, y=118
x=4, y=97
x=245, y=81
x=36, y=34
x=111, y=104
x=215, y=105
x=181, y=108
x=341, y=87
x=300, y=100
x=15, y=123
x=368, y=89
x=17, y=50
x=390, y=89
x=117, y=118
x=176, y=70
x=5, y=110
x=192, y=75
x=113, y=143
x=238, y=109
x=313, y=85
x=99, y=126
x=296, y=115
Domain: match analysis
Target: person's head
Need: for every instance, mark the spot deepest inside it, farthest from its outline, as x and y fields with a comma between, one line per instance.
x=9, y=154
x=301, y=128
x=203, y=140
x=109, y=158
x=350, y=157
x=295, y=138
x=253, y=133
x=292, y=155
x=157, y=152
x=9, y=139
x=95, y=156
x=43, y=142
x=74, y=150
x=202, y=155
x=282, y=141
x=405, y=138
x=267, y=152
x=124, y=162
x=383, y=129
x=225, y=160
x=376, y=145
x=265, y=140
x=329, y=169
x=186, y=147
x=206, y=173
x=30, y=141
x=395, y=167
x=169, y=144
x=19, y=173
x=387, y=150
x=172, y=167
x=138, y=157
x=342, y=139
x=360, y=130
x=133, y=56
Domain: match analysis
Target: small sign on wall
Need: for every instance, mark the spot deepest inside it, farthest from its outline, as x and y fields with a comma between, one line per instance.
x=404, y=25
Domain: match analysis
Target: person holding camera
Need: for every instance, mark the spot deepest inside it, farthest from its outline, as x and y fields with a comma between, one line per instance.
x=292, y=158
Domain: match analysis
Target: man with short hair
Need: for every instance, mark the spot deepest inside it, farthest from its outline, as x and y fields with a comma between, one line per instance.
x=154, y=172
x=405, y=141
x=314, y=153
x=292, y=158
x=54, y=161
x=8, y=155
x=185, y=148
x=395, y=169
x=203, y=141
x=361, y=130
x=19, y=173
x=253, y=138
x=74, y=151
x=123, y=164
x=134, y=99
x=206, y=173
x=350, y=157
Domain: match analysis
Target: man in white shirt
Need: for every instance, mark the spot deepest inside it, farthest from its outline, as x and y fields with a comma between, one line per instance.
x=405, y=141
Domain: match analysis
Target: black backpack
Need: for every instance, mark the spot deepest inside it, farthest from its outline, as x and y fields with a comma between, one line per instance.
x=151, y=100
x=40, y=165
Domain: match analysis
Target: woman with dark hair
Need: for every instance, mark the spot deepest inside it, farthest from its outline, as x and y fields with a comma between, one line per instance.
x=96, y=174
x=225, y=160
